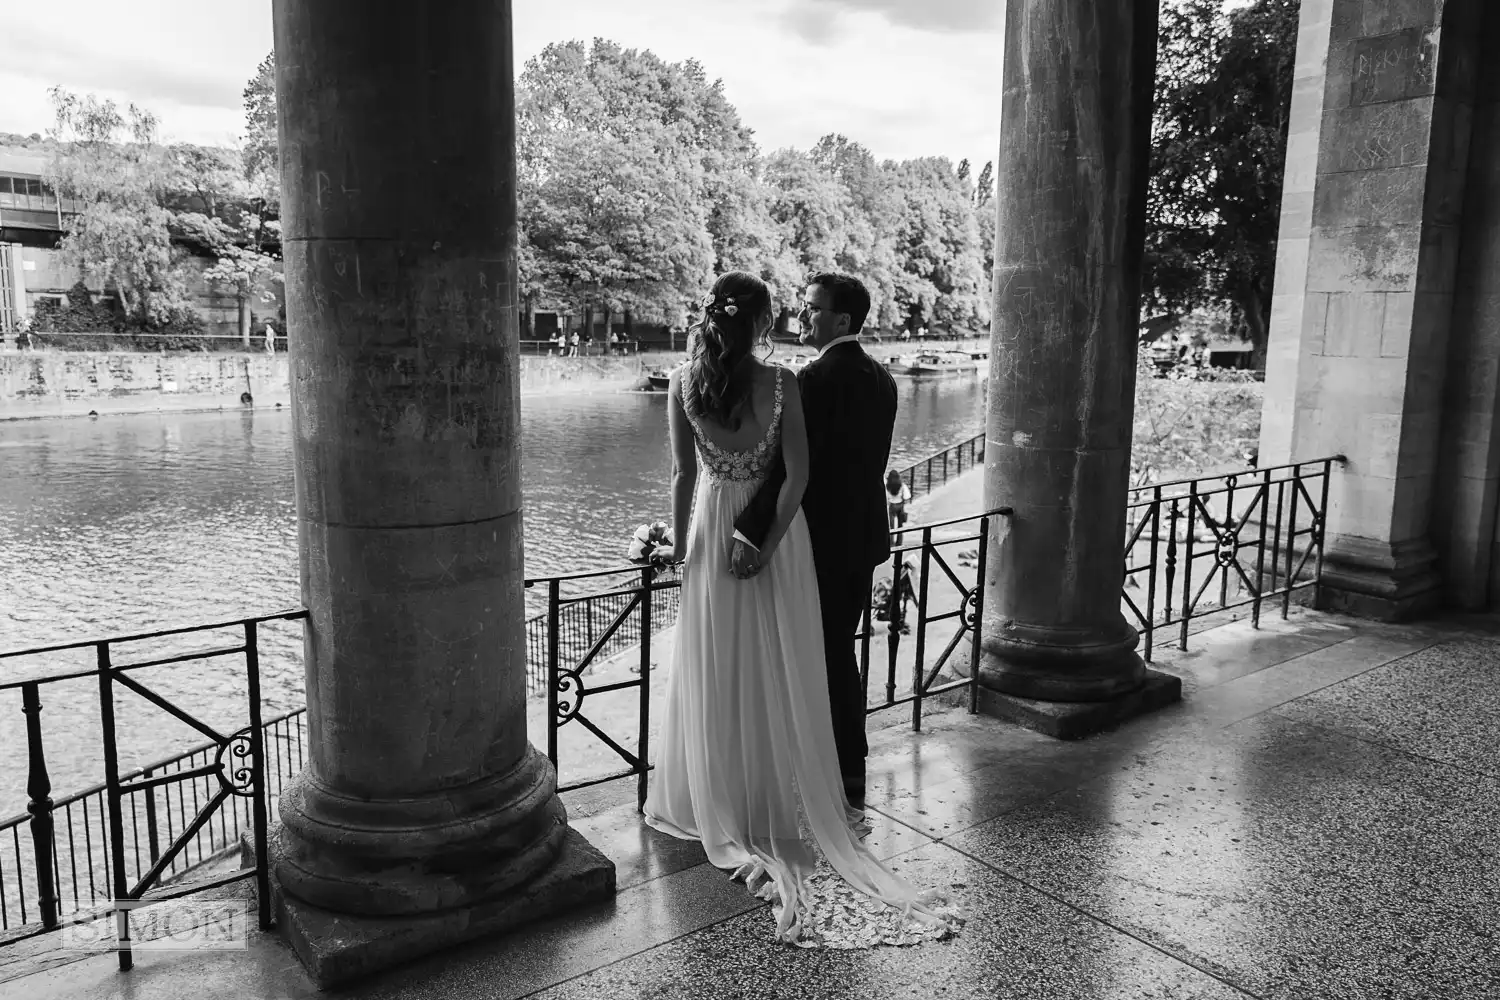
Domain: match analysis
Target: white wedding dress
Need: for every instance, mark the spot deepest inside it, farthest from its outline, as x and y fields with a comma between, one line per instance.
x=746, y=762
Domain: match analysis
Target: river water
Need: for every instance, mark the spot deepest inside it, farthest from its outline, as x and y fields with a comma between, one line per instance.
x=133, y=523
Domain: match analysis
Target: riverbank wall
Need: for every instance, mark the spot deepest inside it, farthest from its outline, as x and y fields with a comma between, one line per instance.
x=36, y=384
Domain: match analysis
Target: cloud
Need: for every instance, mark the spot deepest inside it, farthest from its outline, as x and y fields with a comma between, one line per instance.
x=813, y=22
x=59, y=58
x=961, y=16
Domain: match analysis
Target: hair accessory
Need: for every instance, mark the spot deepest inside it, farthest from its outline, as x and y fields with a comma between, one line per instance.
x=712, y=304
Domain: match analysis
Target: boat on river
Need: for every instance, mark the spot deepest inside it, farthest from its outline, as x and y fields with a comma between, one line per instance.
x=661, y=378
x=934, y=364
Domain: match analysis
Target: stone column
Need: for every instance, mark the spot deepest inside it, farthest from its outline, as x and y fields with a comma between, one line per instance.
x=1468, y=473
x=1075, y=127
x=424, y=816
x=1365, y=277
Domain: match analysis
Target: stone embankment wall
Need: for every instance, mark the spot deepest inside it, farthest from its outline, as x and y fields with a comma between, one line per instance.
x=66, y=383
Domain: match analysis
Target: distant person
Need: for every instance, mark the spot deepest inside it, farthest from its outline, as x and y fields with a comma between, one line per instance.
x=556, y=345
x=573, y=343
x=270, y=338
x=897, y=496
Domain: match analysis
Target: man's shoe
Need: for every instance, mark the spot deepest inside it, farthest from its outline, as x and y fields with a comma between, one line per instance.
x=856, y=797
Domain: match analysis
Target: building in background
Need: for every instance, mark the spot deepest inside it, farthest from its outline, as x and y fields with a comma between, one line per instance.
x=33, y=221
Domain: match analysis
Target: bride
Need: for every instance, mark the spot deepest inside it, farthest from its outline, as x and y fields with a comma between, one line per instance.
x=746, y=762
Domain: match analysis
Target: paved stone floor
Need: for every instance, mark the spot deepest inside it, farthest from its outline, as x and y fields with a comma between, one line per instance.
x=1317, y=819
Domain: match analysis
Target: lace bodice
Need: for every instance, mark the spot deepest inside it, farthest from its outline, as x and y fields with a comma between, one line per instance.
x=736, y=465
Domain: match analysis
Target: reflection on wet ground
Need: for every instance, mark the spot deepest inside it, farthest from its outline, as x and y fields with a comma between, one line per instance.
x=1314, y=820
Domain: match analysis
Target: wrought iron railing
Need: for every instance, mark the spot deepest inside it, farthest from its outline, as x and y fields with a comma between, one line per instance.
x=1196, y=548
x=939, y=577
x=583, y=618
x=1207, y=546
x=129, y=839
x=935, y=470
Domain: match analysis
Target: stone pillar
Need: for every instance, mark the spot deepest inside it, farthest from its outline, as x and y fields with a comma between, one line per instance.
x=1468, y=483
x=1365, y=279
x=1075, y=126
x=424, y=816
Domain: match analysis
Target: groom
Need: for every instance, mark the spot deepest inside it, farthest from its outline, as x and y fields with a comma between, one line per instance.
x=849, y=401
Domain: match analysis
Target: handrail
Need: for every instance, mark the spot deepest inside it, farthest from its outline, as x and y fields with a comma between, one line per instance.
x=290, y=614
x=1261, y=541
x=1255, y=471
x=636, y=568
x=137, y=772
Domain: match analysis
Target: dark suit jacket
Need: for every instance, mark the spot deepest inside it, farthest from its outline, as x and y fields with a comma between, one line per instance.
x=849, y=400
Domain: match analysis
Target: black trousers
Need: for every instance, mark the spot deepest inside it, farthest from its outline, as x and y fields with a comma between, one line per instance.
x=843, y=594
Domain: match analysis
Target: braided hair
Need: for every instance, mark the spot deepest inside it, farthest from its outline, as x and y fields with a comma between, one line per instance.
x=718, y=369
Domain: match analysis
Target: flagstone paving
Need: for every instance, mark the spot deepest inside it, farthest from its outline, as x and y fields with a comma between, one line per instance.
x=1315, y=819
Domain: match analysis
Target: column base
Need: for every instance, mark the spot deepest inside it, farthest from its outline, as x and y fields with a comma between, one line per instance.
x=1074, y=720
x=337, y=948
x=1381, y=581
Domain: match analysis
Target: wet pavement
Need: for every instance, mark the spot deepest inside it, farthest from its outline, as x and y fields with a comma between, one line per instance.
x=1316, y=819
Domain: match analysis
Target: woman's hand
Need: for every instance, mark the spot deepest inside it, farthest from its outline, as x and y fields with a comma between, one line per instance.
x=666, y=555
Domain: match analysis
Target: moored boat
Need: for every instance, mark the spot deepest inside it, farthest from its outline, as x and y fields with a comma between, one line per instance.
x=660, y=378
x=933, y=364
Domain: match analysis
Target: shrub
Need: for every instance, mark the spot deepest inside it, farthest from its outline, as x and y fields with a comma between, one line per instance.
x=1193, y=422
x=85, y=325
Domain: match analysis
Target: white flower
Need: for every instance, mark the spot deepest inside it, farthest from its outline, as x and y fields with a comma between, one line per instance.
x=731, y=309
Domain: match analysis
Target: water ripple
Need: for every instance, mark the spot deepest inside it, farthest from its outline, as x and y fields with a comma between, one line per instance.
x=138, y=522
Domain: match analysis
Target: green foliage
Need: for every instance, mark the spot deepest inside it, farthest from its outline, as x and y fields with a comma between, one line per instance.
x=144, y=207
x=1223, y=93
x=1192, y=424
x=638, y=181
x=937, y=243
x=260, y=156
x=611, y=157
x=120, y=236
x=177, y=328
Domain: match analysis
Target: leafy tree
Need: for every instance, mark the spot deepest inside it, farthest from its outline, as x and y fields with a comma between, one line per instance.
x=812, y=209
x=120, y=235
x=870, y=249
x=937, y=245
x=984, y=212
x=261, y=152
x=1192, y=425
x=206, y=179
x=1223, y=91
x=611, y=184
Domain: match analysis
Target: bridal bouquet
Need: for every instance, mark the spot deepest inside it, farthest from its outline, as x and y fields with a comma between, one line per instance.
x=646, y=542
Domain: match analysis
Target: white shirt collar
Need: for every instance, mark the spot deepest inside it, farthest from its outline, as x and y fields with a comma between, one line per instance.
x=836, y=341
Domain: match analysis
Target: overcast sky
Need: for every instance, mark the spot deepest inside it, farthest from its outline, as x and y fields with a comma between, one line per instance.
x=904, y=77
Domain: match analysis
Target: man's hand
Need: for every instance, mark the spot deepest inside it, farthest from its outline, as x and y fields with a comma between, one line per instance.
x=744, y=560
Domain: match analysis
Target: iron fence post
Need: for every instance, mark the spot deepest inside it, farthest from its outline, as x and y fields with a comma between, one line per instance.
x=1233, y=538
x=112, y=800
x=1276, y=535
x=1260, y=559
x=258, y=801
x=1291, y=544
x=893, y=635
x=647, y=575
x=1187, y=565
x=39, y=790
x=918, y=673
x=1320, y=525
x=553, y=608
x=864, y=652
x=1151, y=573
x=153, y=844
x=976, y=649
